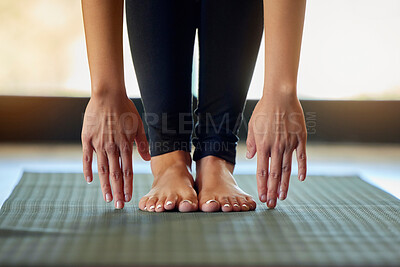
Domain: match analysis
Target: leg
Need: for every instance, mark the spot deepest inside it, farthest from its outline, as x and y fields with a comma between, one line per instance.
x=161, y=35
x=229, y=38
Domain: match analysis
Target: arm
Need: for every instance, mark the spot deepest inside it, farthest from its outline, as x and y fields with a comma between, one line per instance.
x=103, y=30
x=111, y=123
x=277, y=126
x=283, y=25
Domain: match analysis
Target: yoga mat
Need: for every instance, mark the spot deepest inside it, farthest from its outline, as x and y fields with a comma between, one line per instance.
x=58, y=219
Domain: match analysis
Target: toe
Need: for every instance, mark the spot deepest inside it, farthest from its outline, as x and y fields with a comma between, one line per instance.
x=225, y=204
x=251, y=202
x=210, y=204
x=235, y=204
x=188, y=203
x=160, y=204
x=170, y=202
x=151, y=204
x=243, y=204
x=142, y=203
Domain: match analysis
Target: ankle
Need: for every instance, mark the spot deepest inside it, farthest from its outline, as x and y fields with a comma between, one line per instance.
x=213, y=163
x=175, y=159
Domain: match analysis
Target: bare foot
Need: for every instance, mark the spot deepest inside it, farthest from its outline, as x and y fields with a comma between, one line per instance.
x=218, y=189
x=173, y=184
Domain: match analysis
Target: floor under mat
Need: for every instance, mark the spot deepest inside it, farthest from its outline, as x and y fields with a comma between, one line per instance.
x=57, y=219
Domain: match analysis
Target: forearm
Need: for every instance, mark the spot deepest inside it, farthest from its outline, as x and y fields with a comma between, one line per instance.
x=283, y=24
x=103, y=30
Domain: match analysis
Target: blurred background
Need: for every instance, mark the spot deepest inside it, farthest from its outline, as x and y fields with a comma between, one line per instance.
x=350, y=51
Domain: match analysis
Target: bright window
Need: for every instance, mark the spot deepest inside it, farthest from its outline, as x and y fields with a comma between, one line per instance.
x=350, y=50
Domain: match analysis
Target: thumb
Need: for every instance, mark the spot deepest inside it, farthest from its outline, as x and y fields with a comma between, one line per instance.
x=142, y=144
x=251, y=144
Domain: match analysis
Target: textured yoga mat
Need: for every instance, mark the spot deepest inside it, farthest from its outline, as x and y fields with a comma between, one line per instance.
x=57, y=219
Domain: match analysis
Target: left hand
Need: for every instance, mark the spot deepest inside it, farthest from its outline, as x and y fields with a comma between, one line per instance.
x=277, y=128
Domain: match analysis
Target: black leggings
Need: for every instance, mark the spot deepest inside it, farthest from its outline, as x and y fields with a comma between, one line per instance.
x=161, y=34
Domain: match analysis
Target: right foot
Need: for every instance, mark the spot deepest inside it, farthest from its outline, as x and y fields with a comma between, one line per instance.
x=173, y=184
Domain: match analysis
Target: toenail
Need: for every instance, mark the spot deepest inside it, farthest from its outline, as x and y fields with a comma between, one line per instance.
x=151, y=208
x=235, y=205
x=119, y=204
x=169, y=203
x=227, y=205
x=145, y=208
x=159, y=206
x=245, y=206
x=211, y=200
x=188, y=201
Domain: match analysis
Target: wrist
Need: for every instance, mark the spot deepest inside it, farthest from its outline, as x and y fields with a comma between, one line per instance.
x=280, y=90
x=106, y=91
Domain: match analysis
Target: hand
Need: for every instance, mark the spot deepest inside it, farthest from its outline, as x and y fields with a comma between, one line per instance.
x=111, y=125
x=277, y=128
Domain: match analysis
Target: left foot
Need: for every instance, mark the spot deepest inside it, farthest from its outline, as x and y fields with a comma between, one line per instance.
x=217, y=189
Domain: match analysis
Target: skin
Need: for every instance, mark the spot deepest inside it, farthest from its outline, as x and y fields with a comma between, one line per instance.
x=277, y=126
x=112, y=124
x=173, y=185
x=218, y=190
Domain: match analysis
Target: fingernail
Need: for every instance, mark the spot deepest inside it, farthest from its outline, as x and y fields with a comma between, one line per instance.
x=301, y=177
x=263, y=198
x=248, y=154
x=188, y=201
x=282, y=195
x=88, y=180
x=127, y=197
x=108, y=197
x=271, y=203
x=211, y=200
x=169, y=203
x=119, y=204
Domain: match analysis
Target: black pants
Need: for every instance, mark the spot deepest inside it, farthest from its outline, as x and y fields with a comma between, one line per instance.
x=161, y=34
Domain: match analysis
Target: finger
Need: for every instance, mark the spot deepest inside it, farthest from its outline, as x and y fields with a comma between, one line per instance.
x=301, y=160
x=274, y=177
x=103, y=169
x=115, y=175
x=286, y=170
x=142, y=144
x=251, y=144
x=262, y=174
x=126, y=156
x=87, y=161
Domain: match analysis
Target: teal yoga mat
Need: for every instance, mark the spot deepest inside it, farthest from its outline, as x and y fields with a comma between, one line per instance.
x=57, y=219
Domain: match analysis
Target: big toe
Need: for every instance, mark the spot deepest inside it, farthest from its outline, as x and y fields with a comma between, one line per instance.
x=187, y=205
x=210, y=205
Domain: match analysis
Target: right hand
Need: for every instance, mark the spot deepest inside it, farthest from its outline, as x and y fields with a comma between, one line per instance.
x=110, y=127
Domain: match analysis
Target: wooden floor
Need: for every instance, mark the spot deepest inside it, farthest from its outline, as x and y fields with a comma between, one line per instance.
x=376, y=163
